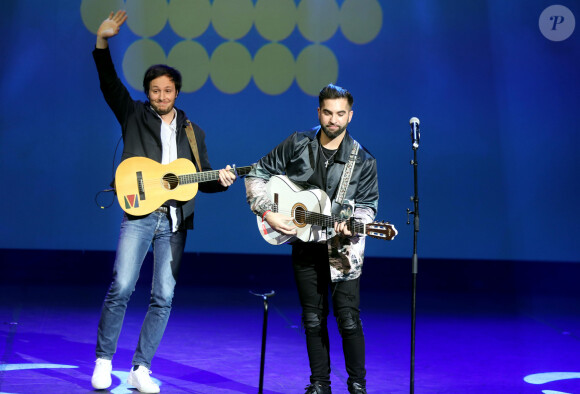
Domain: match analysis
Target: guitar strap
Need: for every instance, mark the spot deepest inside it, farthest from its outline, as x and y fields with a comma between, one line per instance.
x=346, y=175
x=339, y=250
x=192, y=142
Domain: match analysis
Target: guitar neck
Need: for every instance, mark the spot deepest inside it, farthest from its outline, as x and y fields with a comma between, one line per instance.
x=207, y=176
x=318, y=219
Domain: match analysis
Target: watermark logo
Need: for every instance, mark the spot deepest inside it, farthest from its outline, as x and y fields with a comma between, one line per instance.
x=557, y=23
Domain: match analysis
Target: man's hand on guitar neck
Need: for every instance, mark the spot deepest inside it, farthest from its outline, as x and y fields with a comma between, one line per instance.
x=341, y=228
x=281, y=223
x=226, y=177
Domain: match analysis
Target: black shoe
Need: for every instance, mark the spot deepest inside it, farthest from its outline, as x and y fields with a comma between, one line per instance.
x=357, y=388
x=318, y=388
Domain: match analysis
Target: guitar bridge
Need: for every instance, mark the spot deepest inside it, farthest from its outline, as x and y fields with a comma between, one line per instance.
x=140, y=185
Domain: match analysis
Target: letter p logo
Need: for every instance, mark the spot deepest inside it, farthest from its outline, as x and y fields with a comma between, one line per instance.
x=557, y=20
x=557, y=23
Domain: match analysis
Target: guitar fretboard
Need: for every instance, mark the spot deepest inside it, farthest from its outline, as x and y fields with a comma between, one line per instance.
x=207, y=176
x=319, y=219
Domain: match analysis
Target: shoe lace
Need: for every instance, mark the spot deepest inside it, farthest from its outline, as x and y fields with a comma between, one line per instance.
x=143, y=376
x=359, y=388
x=314, y=388
x=310, y=389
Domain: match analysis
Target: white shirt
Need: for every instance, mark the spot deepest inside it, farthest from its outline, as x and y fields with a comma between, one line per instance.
x=169, y=154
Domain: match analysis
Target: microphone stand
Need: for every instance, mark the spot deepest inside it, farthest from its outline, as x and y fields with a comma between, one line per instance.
x=415, y=261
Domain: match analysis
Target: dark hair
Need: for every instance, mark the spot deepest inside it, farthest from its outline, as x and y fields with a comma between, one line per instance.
x=159, y=70
x=331, y=91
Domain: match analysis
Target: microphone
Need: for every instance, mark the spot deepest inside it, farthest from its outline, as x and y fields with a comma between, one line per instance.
x=415, y=133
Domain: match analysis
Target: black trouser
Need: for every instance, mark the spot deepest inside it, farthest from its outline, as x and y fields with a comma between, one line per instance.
x=312, y=274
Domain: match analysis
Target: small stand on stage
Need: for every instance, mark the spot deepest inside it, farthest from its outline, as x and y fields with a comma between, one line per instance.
x=264, y=329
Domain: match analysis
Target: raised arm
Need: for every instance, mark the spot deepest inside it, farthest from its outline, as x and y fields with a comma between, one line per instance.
x=110, y=28
x=115, y=93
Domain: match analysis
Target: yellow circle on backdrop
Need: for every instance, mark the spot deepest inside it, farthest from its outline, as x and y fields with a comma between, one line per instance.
x=361, y=20
x=316, y=67
x=275, y=19
x=318, y=19
x=189, y=18
x=94, y=12
x=146, y=18
x=138, y=57
x=274, y=68
x=192, y=60
x=232, y=19
x=231, y=67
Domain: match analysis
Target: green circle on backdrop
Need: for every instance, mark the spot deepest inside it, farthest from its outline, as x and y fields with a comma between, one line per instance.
x=192, y=61
x=361, y=20
x=146, y=18
x=318, y=19
x=231, y=67
x=316, y=67
x=274, y=68
x=232, y=19
x=275, y=19
x=189, y=18
x=94, y=12
x=138, y=58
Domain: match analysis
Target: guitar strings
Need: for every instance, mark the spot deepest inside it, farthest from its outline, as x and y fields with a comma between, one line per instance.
x=319, y=219
x=183, y=179
x=188, y=178
x=377, y=230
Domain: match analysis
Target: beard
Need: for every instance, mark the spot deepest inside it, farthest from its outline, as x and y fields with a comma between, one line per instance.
x=160, y=111
x=333, y=134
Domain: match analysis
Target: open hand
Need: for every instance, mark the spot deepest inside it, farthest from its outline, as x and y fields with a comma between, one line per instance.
x=110, y=27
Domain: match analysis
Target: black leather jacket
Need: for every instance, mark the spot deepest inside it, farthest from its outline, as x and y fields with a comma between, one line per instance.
x=296, y=157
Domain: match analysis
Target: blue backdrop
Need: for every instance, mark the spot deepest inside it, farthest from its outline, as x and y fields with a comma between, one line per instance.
x=494, y=84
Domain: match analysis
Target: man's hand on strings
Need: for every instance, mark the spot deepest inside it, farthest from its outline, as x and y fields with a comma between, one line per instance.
x=342, y=228
x=110, y=28
x=282, y=223
x=226, y=177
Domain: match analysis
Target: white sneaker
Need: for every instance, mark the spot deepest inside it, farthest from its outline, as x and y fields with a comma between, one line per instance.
x=102, y=374
x=141, y=380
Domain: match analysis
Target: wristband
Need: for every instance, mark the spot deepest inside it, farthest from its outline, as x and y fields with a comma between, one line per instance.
x=265, y=213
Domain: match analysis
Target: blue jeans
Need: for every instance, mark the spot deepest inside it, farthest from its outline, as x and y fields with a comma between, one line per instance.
x=135, y=239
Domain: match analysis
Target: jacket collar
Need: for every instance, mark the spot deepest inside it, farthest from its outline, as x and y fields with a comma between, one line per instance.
x=180, y=122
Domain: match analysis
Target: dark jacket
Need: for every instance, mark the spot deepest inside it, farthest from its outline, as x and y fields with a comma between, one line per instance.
x=296, y=157
x=141, y=130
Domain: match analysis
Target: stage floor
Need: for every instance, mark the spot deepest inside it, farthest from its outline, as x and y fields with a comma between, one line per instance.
x=465, y=342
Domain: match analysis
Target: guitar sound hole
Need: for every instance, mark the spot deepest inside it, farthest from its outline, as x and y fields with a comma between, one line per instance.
x=170, y=181
x=299, y=215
